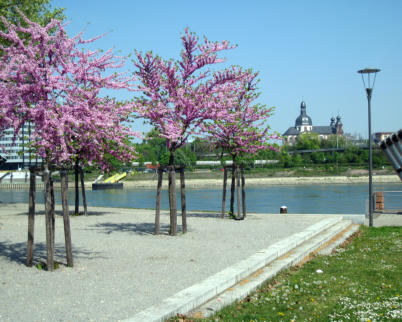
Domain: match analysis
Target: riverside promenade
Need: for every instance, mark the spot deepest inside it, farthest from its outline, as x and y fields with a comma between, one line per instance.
x=120, y=267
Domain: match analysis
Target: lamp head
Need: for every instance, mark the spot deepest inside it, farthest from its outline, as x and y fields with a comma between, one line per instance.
x=366, y=76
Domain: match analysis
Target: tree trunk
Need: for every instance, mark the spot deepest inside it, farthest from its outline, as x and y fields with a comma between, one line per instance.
x=225, y=179
x=48, y=219
x=77, y=192
x=243, y=193
x=84, y=198
x=183, y=201
x=158, y=201
x=238, y=194
x=172, y=196
x=31, y=216
x=66, y=217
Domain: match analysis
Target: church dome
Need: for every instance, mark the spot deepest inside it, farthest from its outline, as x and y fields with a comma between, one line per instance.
x=303, y=118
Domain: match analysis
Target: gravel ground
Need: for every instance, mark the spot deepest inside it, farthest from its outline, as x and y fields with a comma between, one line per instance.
x=120, y=267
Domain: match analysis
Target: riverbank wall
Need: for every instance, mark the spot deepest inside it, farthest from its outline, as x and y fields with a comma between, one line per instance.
x=213, y=183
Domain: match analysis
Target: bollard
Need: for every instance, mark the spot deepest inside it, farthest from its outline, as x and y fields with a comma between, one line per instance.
x=379, y=200
x=284, y=210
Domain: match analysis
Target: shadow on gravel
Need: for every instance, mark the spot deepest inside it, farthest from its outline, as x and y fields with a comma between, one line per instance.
x=138, y=228
x=17, y=252
x=202, y=215
x=59, y=213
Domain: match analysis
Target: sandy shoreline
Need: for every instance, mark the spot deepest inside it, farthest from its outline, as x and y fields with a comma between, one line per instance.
x=203, y=183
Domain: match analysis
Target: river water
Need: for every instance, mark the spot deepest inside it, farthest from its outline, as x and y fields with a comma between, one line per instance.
x=302, y=199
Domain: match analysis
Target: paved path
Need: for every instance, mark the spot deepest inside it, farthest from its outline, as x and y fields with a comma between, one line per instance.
x=380, y=220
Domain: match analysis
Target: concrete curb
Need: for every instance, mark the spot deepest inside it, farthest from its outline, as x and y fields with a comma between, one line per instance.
x=328, y=250
x=299, y=254
x=198, y=294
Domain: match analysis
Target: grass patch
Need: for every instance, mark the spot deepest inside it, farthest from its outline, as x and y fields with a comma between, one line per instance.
x=360, y=281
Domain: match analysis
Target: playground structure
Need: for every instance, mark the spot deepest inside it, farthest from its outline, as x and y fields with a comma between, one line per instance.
x=392, y=148
x=115, y=178
x=109, y=183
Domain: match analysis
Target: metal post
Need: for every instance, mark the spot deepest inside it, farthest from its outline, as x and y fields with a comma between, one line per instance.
x=369, y=85
x=369, y=91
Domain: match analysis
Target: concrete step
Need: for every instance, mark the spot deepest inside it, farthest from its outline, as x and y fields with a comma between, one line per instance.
x=296, y=256
x=237, y=281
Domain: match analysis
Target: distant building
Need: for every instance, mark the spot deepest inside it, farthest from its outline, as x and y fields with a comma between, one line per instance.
x=379, y=136
x=304, y=124
x=16, y=154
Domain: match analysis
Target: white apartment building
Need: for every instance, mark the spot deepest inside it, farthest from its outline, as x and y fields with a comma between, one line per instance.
x=17, y=154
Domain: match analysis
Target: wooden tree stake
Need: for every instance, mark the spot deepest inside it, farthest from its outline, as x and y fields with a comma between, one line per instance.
x=158, y=201
x=183, y=201
x=84, y=199
x=52, y=208
x=232, y=190
x=77, y=192
x=48, y=219
x=225, y=179
x=243, y=192
x=66, y=217
x=172, y=201
x=31, y=216
x=238, y=193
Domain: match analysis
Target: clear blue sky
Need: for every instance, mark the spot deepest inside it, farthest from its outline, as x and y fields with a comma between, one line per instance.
x=305, y=50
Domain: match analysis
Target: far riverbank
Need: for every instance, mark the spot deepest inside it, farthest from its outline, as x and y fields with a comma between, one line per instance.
x=213, y=183
x=203, y=183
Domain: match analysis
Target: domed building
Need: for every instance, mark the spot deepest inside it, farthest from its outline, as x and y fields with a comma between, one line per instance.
x=304, y=124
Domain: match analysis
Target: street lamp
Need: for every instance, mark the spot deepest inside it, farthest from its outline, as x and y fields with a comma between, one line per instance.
x=369, y=85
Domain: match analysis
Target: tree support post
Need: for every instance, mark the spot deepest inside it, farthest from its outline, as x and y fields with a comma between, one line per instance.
x=77, y=192
x=84, y=198
x=158, y=201
x=238, y=193
x=52, y=209
x=232, y=190
x=183, y=201
x=31, y=216
x=48, y=220
x=66, y=217
x=225, y=179
x=243, y=192
x=172, y=201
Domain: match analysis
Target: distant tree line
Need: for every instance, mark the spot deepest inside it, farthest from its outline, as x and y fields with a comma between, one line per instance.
x=153, y=149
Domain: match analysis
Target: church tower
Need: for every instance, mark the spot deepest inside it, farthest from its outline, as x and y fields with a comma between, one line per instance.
x=338, y=125
x=303, y=122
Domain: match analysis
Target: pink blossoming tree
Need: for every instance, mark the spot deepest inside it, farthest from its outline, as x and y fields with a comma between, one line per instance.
x=46, y=79
x=179, y=96
x=242, y=132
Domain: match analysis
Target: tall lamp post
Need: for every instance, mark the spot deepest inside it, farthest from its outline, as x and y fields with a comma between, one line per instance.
x=368, y=83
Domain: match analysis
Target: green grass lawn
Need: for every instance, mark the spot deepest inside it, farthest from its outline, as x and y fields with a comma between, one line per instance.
x=358, y=282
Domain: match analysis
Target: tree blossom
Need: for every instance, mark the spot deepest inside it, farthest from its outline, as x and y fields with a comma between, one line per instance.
x=243, y=130
x=179, y=96
x=48, y=80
